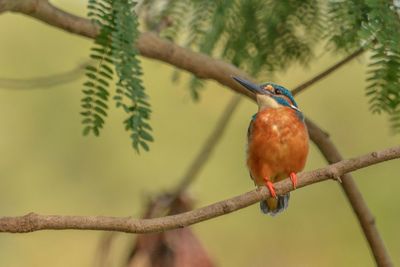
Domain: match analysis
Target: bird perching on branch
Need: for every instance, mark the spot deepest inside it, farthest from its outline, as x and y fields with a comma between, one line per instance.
x=277, y=141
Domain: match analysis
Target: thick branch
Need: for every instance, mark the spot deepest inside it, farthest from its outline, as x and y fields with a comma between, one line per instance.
x=44, y=11
x=34, y=222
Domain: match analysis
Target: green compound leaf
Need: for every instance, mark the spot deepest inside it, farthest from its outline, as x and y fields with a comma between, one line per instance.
x=115, y=55
x=260, y=37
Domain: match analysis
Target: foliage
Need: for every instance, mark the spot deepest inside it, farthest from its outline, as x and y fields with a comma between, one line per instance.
x=258, y=36
x=267, y=36
x=114, y=50
x=384, y=77
x=375, y=25
x=261, y=37
x=274, y=34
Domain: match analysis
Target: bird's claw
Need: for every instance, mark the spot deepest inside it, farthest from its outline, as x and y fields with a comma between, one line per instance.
x=293, y=178
x=270, y=187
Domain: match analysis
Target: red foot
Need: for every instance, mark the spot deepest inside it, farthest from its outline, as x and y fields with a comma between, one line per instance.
x=270, y=186
x=293, y=178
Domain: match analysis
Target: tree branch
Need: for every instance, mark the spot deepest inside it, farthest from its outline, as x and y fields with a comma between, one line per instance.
x=45, y=81
x=35, y=222
x=328, y=71
x=46, y=12
x=166, y=200
x=208, y=146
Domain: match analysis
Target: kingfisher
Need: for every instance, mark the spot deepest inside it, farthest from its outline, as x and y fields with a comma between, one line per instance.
x=277, y=141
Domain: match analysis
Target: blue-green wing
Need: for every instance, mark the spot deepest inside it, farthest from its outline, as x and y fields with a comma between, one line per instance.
x=249, y=129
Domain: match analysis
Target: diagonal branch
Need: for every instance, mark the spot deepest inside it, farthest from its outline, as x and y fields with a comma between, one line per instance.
x=208, y=146
x=166, y=200
x=328, y=71
x=35, y=222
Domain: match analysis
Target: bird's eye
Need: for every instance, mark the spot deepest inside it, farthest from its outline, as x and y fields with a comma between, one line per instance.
x=278, y=91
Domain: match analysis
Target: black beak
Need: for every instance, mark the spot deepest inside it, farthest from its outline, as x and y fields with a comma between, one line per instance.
x=254, y=88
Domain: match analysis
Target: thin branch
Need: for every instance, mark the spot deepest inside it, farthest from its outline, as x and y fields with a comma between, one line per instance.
x=328, y=71
x=102, y=255
x=208, y=146
x=45, y=81
x=35, y=222
x=166, y=200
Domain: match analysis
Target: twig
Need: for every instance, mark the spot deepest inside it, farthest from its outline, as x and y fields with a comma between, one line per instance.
x=102, y=256
x=208, y=146
x=328, y=71
x=166, y=200
x=35, y=222
x=45, y=81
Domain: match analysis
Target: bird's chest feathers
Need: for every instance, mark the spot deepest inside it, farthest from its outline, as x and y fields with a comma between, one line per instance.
x=275, y=127
x=278, y=140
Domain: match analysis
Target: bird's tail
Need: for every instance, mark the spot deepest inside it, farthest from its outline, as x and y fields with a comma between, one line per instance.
x=273, y=206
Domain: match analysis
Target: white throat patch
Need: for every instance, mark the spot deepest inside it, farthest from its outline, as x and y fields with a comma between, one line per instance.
x=265, y=101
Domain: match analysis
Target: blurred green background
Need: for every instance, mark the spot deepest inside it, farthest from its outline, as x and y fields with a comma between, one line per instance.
x=46, y=166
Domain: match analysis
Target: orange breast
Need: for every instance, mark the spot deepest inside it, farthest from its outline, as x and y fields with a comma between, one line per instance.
x=278, y=144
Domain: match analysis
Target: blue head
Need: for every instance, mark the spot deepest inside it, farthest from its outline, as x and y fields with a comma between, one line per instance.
x=270, y=94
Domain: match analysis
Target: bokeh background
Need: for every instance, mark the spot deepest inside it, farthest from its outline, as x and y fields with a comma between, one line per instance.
x=47, y=166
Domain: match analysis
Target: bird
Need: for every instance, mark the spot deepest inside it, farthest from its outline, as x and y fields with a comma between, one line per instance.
x=277, y=141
